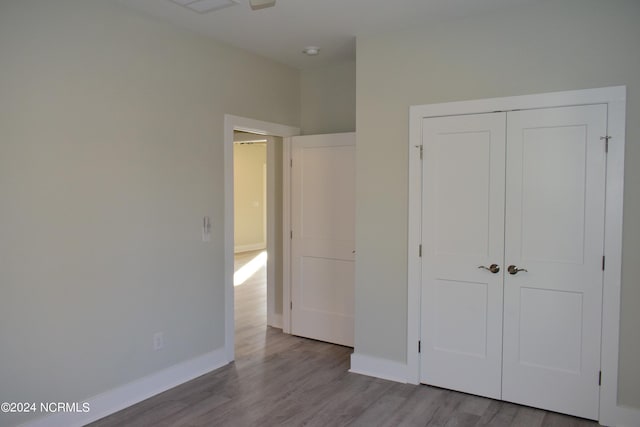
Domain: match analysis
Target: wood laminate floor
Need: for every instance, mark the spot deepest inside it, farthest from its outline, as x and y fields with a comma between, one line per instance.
x=282, y=380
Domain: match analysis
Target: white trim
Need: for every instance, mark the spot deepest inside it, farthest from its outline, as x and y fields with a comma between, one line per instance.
x=623, y=416
x=270, y=221
x=274, y=320
x=414, y=269
x=249, y=247
x=286, y=235
x=270, y=227
x=610, y=412
x=523, y=102
x=114, y=400
x=232, y=123
x=379, y=368
x=615, y=97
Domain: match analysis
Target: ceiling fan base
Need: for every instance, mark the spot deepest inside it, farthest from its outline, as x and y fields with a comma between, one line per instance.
x=261, y=4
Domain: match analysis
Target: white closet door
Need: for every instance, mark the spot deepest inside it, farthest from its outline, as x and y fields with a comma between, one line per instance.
x=463, y=228
x=323, y=239
x=554, y=230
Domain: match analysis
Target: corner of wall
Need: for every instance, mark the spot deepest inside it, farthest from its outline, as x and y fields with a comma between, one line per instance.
x=379, y=368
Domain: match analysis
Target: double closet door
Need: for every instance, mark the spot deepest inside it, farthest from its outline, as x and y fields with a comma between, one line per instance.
x=513, y=232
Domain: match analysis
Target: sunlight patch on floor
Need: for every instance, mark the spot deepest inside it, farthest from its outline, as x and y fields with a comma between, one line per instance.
x=249, y=269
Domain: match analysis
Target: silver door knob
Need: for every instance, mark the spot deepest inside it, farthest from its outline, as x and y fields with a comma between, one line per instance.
x=512, y=269
x=492, y=268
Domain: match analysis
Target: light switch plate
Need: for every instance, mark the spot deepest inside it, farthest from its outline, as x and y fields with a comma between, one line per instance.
x=206, y=229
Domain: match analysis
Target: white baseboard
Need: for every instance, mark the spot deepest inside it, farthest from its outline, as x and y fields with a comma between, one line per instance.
x=274, y=320
x=250, y=247
x=622, y=416
x=129, y=394
x=379, y=368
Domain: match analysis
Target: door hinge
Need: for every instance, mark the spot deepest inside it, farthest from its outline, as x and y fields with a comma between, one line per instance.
x=606, y=143
x=291, y=234
x=419, y=346
x=290, y=163
x=420, y=250
x=421, y=149
x=603, y=262
x=290, y=305
x=600, y=378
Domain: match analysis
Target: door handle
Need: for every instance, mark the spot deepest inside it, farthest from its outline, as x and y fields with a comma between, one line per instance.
x=512, y=269
x=492, y=268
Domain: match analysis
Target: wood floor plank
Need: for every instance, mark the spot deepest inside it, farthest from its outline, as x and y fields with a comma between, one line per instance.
x=380, y=411
x=283, y=380
x=475, y=405
x=419, y=408
x=353, y=395
x=447, y=407
x=552, y=419
x=462, y=419
x=498, y=414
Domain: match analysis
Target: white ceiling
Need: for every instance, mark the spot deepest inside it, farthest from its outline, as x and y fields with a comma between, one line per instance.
x=281, y=32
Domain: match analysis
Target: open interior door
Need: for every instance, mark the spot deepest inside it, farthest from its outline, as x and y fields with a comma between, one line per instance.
x=323, y=237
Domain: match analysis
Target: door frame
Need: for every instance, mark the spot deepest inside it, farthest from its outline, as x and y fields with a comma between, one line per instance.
x=237, y=123
x=615, y=98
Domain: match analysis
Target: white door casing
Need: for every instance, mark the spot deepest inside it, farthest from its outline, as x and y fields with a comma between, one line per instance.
x=611, y=412
x=555, y=202
x=463, y=224
x=323, y=237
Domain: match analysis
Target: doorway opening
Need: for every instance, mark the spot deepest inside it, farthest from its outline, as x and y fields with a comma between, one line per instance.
x=252, y=201
x=264, y=230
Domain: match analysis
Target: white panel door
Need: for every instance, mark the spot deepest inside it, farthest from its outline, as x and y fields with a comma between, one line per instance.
x=463, y=228
x=555, y=230
x=323, y=239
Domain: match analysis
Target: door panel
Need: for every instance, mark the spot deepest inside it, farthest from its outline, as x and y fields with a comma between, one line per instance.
x=462, y=185
x=461, y=318
x=554, y=230
x=463, y=225
x=560, y=350
x=318, y=297
x=552, y=193
x=323, y=242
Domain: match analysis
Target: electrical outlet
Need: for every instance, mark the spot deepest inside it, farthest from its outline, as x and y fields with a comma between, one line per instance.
x=158, y=341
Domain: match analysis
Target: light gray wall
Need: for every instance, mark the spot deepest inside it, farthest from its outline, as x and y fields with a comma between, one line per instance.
x=550, y=46
x=111, y=152
x=328, y=99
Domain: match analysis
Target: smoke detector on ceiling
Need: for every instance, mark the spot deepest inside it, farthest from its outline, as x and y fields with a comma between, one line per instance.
x=261, y=4
x=311, y=50
x=203, y=6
